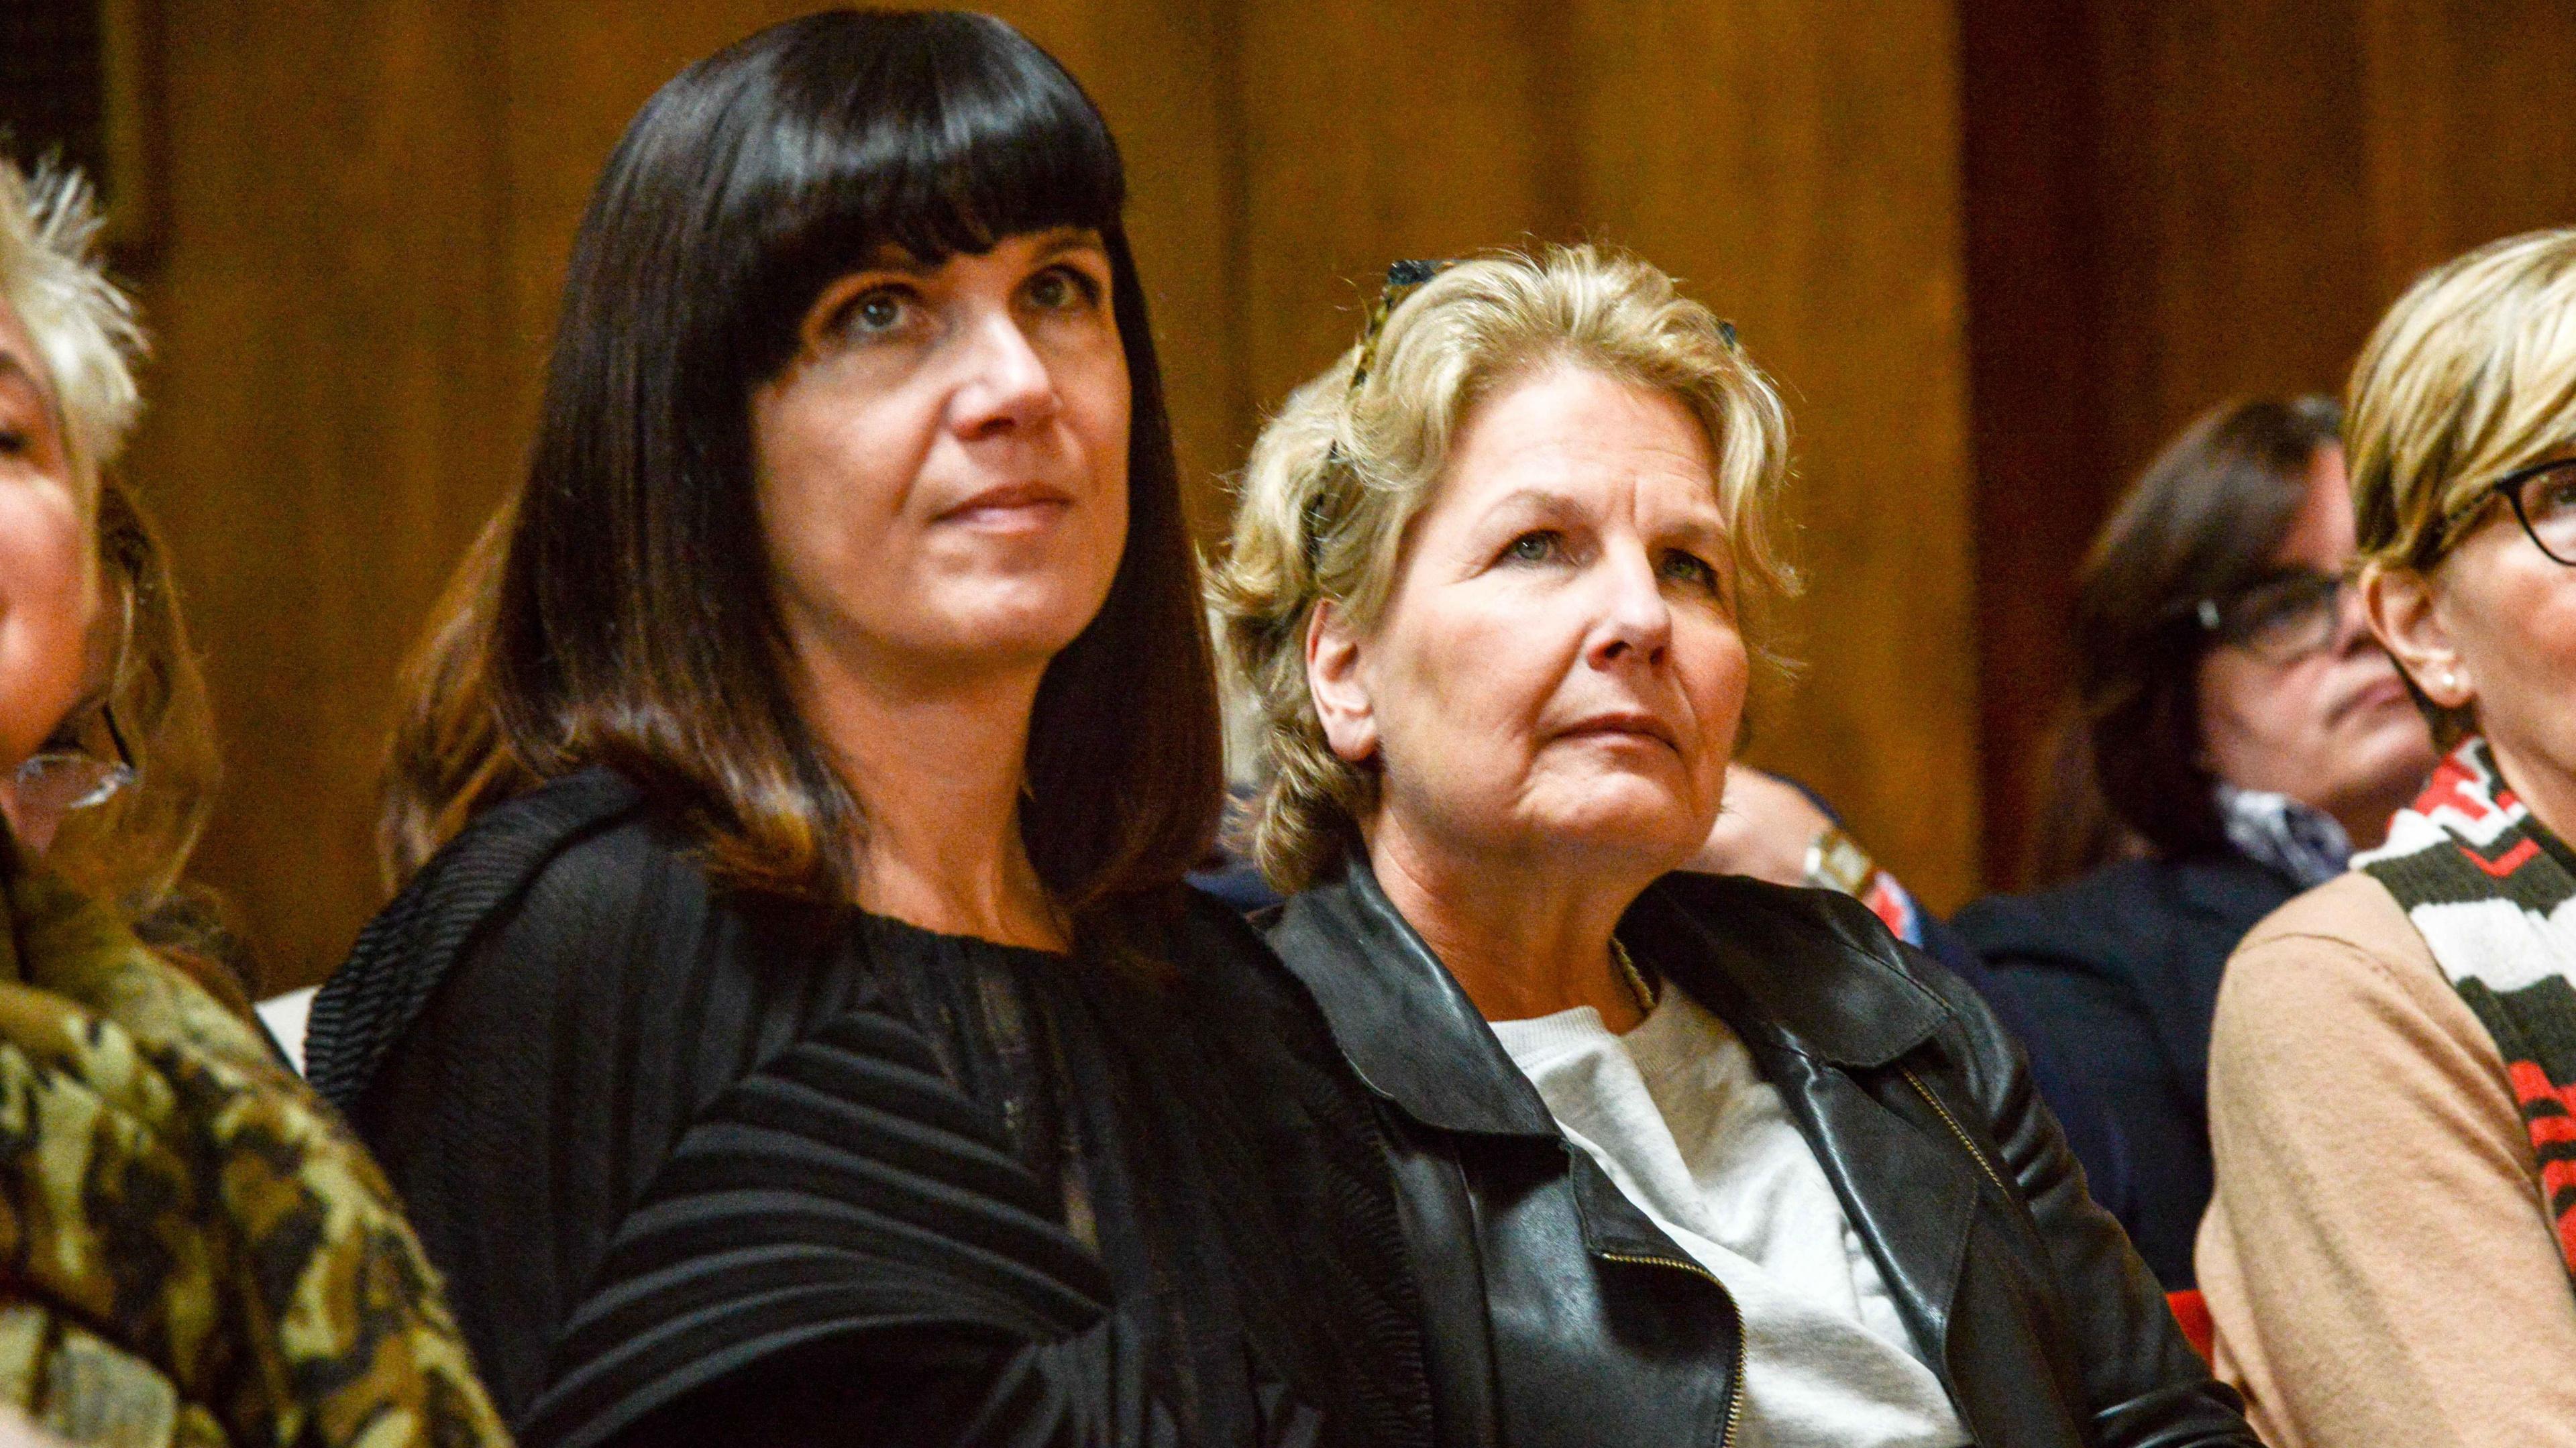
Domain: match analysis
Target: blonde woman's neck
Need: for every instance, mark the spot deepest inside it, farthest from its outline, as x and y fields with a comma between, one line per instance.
x=1523, y=935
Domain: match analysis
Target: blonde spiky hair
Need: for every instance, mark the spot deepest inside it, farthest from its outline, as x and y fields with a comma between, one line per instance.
x=83, y=327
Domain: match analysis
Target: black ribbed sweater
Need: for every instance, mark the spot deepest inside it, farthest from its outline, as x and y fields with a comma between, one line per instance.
x=707, y=1167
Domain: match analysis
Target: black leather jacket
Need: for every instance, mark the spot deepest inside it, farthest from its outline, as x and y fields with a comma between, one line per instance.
x=1558, y=1313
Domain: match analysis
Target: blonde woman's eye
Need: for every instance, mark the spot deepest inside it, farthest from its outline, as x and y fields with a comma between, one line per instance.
x=1537, y=547
x=1689, y=568
x=12, y=442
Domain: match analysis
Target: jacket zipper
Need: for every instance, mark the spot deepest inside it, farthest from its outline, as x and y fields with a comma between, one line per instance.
x=1955, y=1130
x=1735, y=1385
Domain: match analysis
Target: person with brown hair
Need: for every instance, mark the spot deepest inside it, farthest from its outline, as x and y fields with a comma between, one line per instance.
x=2241, y=722
x=1684, y=1158
x=805, y=1035
x=2389, y=1254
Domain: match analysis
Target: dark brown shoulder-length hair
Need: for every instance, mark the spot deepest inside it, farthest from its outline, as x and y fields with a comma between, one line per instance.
x=2202, y=522
x=619, y=609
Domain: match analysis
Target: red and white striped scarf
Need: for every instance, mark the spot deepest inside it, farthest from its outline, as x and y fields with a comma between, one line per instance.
x=2498, y=909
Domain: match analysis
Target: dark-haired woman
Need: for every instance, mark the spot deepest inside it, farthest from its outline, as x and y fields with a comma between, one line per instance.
x=806, y=1037
x=2245, y=727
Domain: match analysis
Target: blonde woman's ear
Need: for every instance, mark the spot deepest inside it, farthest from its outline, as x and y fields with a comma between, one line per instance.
x=1333, y=680
x=2405, y=619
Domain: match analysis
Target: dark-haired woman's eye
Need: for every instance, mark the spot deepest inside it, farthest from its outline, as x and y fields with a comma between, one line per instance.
x=878, y=313
x=1063, y=289
x=1537, y=546
x=12, y=442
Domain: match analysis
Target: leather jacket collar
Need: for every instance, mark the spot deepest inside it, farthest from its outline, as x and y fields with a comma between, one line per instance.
x=1401, y=1019
x=2021, y=1292
x=1415, y=1038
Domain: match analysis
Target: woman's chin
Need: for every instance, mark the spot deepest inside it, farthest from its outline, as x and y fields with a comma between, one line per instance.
x=1632, y=822
x=2392, y=747
x=1024, y=618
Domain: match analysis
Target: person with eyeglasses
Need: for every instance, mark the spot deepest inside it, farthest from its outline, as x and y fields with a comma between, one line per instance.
x=116, y=798
x=193, y=1249
x=2244, y=732
x=2389, y=1253
x=71, y=772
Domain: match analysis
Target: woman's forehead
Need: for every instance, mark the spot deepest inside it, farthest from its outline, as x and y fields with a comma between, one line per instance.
x=1570, y=408
x=1676, y=502
x=1579, y=440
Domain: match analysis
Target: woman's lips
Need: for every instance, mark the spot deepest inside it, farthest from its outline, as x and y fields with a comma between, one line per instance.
x=1014, y=507
x=2377, y=694
x=1640, y=728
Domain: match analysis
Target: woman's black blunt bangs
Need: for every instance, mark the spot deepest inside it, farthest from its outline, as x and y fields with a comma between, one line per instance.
x=633, y=624
x=934, y=134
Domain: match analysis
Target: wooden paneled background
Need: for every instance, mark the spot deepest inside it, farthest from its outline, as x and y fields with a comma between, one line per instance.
x=2101, y=215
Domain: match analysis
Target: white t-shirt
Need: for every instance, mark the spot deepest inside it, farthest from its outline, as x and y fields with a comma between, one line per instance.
x=1683, y=1123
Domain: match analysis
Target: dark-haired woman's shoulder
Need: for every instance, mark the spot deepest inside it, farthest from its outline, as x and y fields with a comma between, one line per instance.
x=2117, y=974
x=1214, y=939
x=2126, y=959
x=2126, y=917
x=1294, y=1159
x=524, y=1034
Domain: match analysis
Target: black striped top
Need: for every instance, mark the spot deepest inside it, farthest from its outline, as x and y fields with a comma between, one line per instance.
x=706, y=1167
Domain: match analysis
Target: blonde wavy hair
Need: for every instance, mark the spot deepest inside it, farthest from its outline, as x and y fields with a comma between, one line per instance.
x=82, y=326
x=2471, y=375
x=1338, y=476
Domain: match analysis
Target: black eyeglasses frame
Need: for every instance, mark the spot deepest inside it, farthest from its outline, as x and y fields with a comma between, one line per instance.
x=2312, y=590
x=2509, y=488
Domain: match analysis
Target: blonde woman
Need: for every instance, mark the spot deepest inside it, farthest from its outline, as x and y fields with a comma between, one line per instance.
x=1687, y=1159
x=195, y=1250
x=2389, y=1252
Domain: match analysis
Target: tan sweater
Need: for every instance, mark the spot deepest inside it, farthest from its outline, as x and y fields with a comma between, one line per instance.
x=2377, y=1260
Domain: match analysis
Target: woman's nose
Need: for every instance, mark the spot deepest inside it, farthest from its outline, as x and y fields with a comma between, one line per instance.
x=1637, y=624
x=1008, y=384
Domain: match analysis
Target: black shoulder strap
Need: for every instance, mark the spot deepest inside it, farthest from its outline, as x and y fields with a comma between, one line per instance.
x=402, y=955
